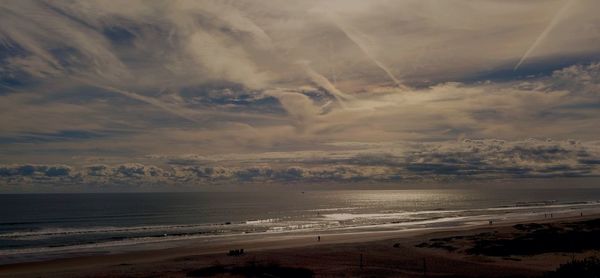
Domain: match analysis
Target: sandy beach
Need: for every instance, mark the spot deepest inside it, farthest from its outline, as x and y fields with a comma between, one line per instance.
x=441, y=252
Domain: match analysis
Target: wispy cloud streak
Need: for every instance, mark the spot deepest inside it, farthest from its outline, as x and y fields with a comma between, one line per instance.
x=324, y=83
x=555, y=20
x=359, y=39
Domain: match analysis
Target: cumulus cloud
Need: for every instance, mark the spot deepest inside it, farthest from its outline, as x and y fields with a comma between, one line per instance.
x=29, y=170
x=579, y=79
x=497, y=158
x=464, y=160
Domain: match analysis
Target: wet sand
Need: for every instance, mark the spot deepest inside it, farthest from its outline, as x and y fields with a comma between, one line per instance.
x=384, y=254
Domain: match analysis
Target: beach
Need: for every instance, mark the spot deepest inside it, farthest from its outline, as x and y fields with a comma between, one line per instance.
x=403, y=253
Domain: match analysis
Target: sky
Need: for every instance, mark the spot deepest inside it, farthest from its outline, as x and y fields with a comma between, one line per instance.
x=135, y=94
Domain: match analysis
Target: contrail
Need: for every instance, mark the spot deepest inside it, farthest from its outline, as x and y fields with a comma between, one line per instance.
x=546, y=31
x=182, y=112
x=152, y=101
x=356, y=37
x=185, y=113
x=9, y=87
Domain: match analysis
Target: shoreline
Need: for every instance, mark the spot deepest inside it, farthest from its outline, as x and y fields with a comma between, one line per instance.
x=278, y=243
x=514, y=214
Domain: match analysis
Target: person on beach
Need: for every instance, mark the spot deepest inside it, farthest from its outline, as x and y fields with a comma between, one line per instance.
x=319, y=238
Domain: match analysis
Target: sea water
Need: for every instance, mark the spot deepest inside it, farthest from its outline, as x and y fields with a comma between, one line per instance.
x=34, y=225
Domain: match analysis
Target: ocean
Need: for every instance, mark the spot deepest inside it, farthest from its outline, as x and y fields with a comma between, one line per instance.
x=42, y=226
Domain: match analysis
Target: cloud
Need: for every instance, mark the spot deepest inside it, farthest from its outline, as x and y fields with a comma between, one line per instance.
x=496, y=158
x=187, y=42
x=555, y=20
x=269, y=91
x=578, y=79
x=114, y=44
x=299, y=106
x=325, y=84
x=464, y=160
x=228, y=119
x=360, y=39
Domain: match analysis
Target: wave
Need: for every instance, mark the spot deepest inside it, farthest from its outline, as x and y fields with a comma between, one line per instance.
x=77, y=239
x=405, y=216
x=261, y=221
x=49, y=232
x=408, y=215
